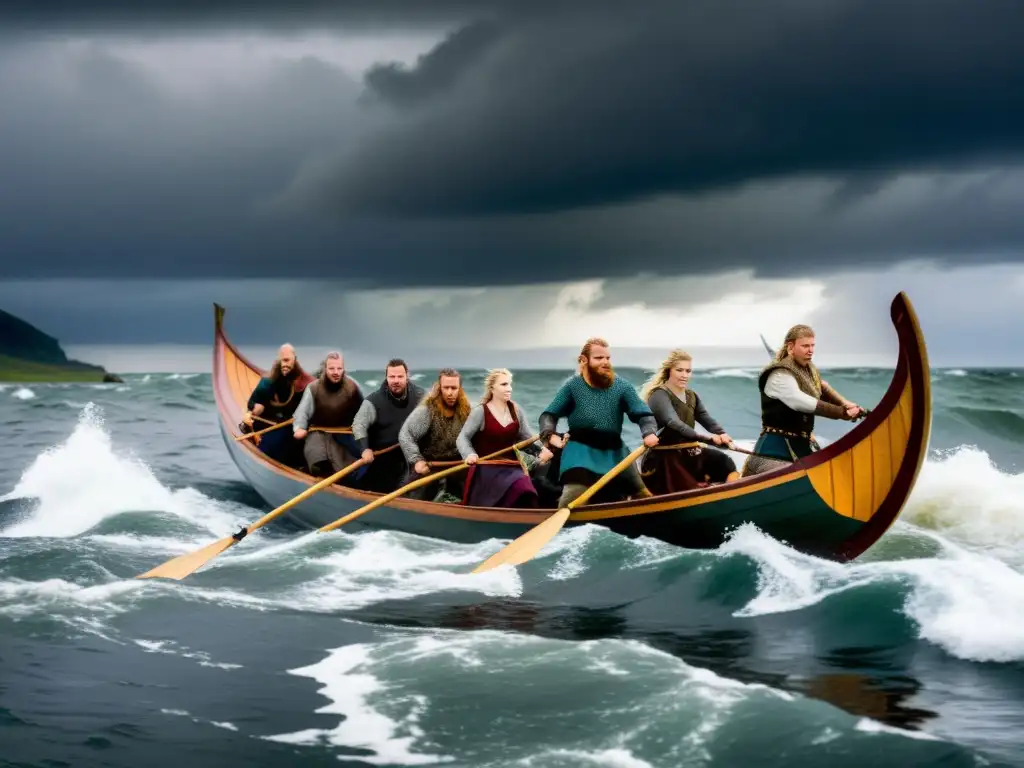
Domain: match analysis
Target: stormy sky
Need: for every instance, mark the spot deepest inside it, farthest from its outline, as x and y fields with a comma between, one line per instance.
x=511, y=175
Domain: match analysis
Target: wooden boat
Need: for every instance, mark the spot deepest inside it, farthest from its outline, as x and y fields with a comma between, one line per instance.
x=833, y=504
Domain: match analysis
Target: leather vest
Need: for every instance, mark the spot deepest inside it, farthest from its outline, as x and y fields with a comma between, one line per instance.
x=391, y=415
x=775, y=414
x=686, y=410
x=335, y=409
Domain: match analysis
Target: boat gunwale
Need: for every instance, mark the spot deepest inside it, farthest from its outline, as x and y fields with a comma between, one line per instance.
x=910, y=348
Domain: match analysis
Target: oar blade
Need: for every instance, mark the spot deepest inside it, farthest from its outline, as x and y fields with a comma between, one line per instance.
x=181, y=566
x=527, y=545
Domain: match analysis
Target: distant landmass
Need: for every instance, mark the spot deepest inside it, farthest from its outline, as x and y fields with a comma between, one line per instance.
x=28, y=354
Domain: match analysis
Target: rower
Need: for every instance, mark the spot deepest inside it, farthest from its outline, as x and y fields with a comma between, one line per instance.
x=593, y=403
x=498, y=422
x=430, y=435
x=377, y=423
x=677, y=408
x=329, y=404
x=273, y=400
x=792, y=394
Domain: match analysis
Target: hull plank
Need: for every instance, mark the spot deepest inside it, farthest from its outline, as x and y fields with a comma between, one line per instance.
x=834, y=504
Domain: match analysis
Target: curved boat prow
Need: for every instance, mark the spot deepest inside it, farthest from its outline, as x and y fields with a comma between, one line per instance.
x=870, y=472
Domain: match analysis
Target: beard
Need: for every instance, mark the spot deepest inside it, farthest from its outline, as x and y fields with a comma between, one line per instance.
x=440, y=405
x=333, y=386
x=601, y=379
x=276, y=373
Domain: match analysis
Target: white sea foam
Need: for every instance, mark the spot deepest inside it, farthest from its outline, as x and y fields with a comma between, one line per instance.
x=729, y=373
x=83, y=481
x=616, y=702
x=172, y=648
x=962, y=495
x=185, y=713
x=23, y=393
x=969, y=604
x=20, y=598
x=383, y=565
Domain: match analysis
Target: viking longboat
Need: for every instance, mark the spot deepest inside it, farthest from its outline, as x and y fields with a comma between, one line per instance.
x=834, y=504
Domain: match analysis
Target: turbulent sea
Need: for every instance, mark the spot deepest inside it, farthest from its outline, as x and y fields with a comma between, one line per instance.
x=377, y=648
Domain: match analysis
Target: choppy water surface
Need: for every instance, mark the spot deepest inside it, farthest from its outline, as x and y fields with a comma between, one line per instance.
x=378, y=648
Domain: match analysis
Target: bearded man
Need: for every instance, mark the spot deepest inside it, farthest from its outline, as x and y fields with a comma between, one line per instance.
x=593, y=403
x=377, y=423
x=273, y=400
x=792, y=394
x=431, y=431
x=330, y=402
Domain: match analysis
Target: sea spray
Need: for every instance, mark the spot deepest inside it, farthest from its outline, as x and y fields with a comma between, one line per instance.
x=82, y=481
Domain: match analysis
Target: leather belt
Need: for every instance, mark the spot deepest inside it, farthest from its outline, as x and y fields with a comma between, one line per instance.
x=784, y=433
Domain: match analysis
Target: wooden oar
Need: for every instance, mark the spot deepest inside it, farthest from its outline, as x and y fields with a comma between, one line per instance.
x=247, y=435
x=328, y=430
x=181, y=566
x=531, y=542
x=734, y=447
x=425, y=480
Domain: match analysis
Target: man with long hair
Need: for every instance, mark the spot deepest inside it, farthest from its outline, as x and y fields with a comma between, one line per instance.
x=378, y=422
x=431, y=433
x=329, y=403
x=593, y=402
x=792, y=394
x=273, y=400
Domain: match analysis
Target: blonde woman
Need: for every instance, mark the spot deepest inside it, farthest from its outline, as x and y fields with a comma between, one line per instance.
x=677, y=408
x=496, y=423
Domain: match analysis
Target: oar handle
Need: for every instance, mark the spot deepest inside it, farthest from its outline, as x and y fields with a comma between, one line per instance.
x=247, y=435
x=734, y=447
x=457, y=463
x=425, y=480
x=310, y=491
x=278, y=425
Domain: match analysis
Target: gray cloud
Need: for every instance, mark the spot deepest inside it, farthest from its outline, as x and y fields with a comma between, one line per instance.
x=28, y=16
x=604, y=105
x=537, y=142
x=436, y=71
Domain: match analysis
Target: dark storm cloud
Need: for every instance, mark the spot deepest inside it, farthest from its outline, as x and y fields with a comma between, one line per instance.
x=608, y=104
x=436, y=71
x=535, y=142
x=161, y=15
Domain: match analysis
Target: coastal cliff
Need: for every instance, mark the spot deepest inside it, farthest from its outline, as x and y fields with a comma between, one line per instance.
x=28, y=354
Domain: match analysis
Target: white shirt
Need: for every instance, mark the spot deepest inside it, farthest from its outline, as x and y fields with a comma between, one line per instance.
x=781, y=385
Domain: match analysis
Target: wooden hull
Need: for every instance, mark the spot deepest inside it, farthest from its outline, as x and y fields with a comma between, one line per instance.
x=833, y=504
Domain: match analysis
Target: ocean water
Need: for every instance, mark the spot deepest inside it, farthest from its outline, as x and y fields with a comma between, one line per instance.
x=377, y=648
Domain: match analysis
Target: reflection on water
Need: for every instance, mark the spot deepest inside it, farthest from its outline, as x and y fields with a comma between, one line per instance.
x=883, y=698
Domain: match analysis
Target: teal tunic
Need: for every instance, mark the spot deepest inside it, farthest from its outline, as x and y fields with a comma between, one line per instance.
x=586, y=408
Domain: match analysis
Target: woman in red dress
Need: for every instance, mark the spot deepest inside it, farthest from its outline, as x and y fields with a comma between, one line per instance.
x=496, y=423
